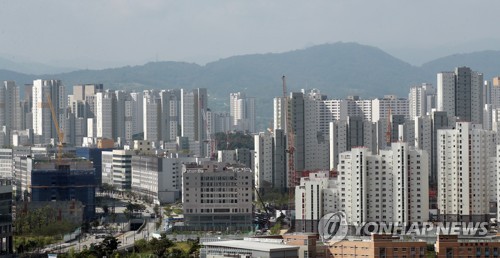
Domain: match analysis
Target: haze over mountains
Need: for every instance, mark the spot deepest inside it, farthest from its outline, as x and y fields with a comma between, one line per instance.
x=338, y=70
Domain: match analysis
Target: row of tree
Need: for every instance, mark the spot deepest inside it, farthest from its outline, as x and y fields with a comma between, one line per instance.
x=44, y=221
x=156, y=247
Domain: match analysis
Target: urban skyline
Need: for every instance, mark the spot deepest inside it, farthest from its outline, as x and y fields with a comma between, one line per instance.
x=368, y=158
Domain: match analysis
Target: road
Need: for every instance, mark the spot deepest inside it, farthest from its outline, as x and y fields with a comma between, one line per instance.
x=125, y=237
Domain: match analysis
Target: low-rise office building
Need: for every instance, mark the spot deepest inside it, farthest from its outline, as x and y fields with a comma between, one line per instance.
x=216, y=197
x=378, y=245
x=244, y=248
x=455, y=246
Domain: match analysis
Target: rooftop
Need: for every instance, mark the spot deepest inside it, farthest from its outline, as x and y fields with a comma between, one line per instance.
x=50, y=164
x=251, y=245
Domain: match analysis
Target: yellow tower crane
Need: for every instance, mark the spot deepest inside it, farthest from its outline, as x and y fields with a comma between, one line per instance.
x=60, y=133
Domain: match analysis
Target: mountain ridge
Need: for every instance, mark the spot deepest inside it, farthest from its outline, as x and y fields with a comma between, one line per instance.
x=337, y=70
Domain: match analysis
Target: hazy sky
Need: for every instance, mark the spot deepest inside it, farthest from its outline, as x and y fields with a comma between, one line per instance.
x=97, y=34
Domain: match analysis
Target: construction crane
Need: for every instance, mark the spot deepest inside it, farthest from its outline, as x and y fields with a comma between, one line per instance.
x=290, y=148
x=60, y=133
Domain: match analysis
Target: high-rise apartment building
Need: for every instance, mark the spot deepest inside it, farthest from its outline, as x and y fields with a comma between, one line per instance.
x=136, y=99
x=10, y=111
x=279, y=120
x=152, y=115
x=170, y=102
x=422, y=99
x=349, y=133
x=310, y=142
x=242, y=110
x=43, y=125
x=389, y=104
x=194, y=106
x=460, y=94
x=104, y=114
x=81, y=107
x=391, y=186
x=466, y=159
x=270, y=162
x=310, y=201
x=221, y=122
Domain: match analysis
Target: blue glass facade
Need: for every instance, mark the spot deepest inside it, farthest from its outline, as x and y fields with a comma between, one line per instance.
x=65, y=184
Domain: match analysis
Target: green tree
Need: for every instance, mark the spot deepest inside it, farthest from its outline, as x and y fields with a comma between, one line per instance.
x=109, y=245
x=275, y=230
x=194, y=247
x=177, y=253
x=141, y=246
x=160, y=246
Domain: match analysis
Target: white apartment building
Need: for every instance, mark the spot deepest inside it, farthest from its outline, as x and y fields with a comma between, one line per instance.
x=460, y=94
x=221, y=122
x=107, y=167
x=349, y=133
x=279, y=120
x=421, y=100
x=466, y=163
x=389, y=104
x=217, y=198
x=104, y=114
x=389, y=187
x=226, y=156
x=423, y=137
x=242, y=111
x=339, y=109
x=121, y=122
x=43, y=125
x=130, y=110
x=152, y=115
x=328, y=110
x=310, y=200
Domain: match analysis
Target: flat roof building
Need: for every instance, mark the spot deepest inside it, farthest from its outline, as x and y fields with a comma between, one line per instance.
x=242, y=248
x=455, y=246
x=216, y=197
x=379, y=245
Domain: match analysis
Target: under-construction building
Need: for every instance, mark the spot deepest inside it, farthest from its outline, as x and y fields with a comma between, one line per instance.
x=6, y=240
x=65, y=180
